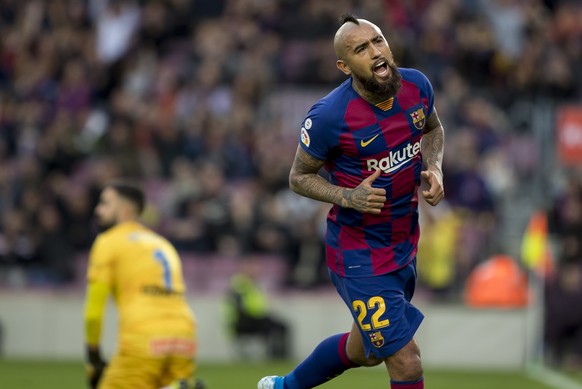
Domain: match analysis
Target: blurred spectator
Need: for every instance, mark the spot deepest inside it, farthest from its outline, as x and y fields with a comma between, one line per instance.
x=55, y=252
x=566, y=222
x=437, y=253
x=247, y=312
x=115, y=23
x=201, y=101
x=17, y=247
x=472, y=202
x=563, y=325
x=507, y=19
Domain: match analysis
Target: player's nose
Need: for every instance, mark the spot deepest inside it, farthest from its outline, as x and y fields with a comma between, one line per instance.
x=376, y=53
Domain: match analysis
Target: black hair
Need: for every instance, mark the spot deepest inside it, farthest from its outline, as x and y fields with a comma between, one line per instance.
x=348, y=18
x=131, y=192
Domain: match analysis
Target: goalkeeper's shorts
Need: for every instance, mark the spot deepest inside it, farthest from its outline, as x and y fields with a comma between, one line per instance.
x=168, y=361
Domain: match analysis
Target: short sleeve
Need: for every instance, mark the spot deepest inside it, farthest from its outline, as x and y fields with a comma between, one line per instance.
x=100, y=267
x=427, y=93
x=318, y=132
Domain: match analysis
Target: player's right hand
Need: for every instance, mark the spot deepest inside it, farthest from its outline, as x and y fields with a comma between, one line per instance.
x=365, y=198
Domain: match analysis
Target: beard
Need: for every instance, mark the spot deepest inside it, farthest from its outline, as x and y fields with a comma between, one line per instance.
x=385, y=89
x=104, y=225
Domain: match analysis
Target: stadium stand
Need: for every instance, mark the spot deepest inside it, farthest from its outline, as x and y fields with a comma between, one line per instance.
x=201, y=100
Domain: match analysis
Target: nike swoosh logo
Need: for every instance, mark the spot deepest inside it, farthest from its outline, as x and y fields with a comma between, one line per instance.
x=366, y=143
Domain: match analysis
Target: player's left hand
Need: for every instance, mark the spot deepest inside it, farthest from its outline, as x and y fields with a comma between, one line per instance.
x=95, y=367
x=94, y=373
x=435, y=192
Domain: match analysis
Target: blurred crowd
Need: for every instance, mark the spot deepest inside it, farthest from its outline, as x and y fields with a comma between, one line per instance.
x=200, y=101
x=563, y=326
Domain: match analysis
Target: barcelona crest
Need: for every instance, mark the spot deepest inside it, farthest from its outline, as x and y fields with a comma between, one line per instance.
x=418, y=118
x=377, y=339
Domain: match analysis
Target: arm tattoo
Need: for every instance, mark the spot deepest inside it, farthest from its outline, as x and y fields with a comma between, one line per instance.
x=432, y=122
x=355, y=198
x=346, y=198
x=304, y=180
x=432, y=146
x=305, y=163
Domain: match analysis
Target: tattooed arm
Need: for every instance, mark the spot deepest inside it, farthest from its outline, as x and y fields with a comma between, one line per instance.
x=304, y=180
x=432, y=148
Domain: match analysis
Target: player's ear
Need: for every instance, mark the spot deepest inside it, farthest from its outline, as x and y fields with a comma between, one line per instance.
x=341, y=65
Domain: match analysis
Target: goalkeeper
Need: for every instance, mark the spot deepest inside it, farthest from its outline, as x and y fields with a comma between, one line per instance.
x=142, y=270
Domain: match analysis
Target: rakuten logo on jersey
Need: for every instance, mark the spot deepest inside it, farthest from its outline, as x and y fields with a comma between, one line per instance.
x=395, y=159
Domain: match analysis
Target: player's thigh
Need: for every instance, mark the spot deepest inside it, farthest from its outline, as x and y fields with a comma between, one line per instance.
x=126, y=371
x=356, y=351
x=382, y=311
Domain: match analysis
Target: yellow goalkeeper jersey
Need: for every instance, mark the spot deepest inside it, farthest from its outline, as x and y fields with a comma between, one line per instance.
x=144, y=273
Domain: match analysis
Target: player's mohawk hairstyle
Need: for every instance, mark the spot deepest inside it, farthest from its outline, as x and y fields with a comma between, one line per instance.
x=348, y=17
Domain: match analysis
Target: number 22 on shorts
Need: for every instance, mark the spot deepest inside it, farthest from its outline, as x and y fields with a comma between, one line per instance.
x=362, y=308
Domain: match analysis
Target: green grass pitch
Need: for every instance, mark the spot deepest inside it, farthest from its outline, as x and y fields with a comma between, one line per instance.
x=70, y=375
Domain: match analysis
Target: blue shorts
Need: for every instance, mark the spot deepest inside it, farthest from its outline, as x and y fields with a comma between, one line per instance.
x=381, y=307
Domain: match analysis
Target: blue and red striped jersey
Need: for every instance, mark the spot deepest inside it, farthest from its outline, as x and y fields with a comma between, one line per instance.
x=355, y=138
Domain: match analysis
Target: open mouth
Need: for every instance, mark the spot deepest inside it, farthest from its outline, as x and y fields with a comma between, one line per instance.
x=381, y=68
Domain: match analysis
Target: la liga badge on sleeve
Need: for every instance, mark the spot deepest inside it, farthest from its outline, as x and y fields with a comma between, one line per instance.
x=305, y=137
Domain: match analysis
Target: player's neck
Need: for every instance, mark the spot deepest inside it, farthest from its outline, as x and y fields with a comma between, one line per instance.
x=126, y=219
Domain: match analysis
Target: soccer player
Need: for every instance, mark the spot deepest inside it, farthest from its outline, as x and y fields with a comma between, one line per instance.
x=156, y=339
x=372, y=135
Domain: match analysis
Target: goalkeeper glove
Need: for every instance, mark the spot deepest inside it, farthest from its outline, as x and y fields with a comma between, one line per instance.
x=187, y=384
x=95, y=367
